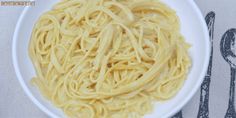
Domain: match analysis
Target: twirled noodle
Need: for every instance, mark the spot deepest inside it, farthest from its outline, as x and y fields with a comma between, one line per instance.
x=108, y=58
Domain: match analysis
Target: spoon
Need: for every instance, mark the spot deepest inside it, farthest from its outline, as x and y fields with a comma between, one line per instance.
x=228, y=51
x=203, y=111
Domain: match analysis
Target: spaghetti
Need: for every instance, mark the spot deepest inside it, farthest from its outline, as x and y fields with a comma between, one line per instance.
x=108, y=58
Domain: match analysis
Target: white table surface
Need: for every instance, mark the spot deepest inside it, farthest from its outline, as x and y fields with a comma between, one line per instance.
x=15, y=104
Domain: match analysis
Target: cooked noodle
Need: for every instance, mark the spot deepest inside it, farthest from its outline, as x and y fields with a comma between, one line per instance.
x=108, y=58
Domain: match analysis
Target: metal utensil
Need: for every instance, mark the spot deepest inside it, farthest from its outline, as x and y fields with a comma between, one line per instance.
x=228, y=51
x=203, y=111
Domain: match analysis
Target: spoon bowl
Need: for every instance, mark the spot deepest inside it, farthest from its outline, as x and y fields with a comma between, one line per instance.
x=228, y=47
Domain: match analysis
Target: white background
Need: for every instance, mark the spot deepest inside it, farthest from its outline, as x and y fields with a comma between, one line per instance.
x=15, y=104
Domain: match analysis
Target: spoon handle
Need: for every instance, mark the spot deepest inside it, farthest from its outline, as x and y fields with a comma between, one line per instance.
x=203, y=111
x=231, y=108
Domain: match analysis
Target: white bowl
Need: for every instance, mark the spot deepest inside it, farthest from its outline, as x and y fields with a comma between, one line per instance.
x=193, y=28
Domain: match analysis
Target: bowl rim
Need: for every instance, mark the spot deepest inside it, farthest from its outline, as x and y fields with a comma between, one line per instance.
x=175, y=110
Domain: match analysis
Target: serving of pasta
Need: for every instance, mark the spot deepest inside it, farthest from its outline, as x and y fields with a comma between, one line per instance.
x=108, y=58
